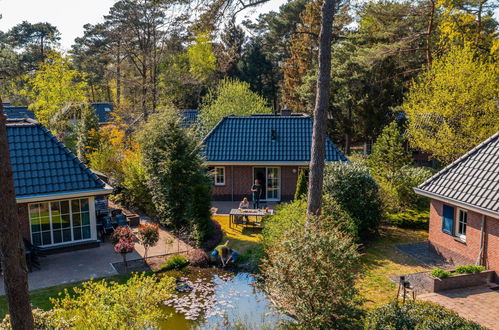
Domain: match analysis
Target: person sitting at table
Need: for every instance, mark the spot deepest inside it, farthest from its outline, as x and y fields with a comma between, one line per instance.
x=244, y=205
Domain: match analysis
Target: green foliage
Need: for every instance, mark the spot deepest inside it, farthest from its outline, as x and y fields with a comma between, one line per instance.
x=109, y=305
x=398, y=194
x=310, y=276
x=453, y=105
x=230, y=97
x=87, y=133
x=134, y=183
x=54, y=91
x=302, y=185
x=440, y=273
x=201, y=209
x=388, y=153
x=334, y=215
x=174, y=262
x=202, y=60
x=355, y=190
x=176, y=177
x=416, y=315
x=288, y=217
x=409, y=218
x=469, y=269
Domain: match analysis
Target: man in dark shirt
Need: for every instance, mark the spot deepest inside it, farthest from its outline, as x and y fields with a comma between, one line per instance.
x=256, y=189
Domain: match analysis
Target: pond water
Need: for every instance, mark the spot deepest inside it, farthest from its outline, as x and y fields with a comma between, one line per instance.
x=218, y=297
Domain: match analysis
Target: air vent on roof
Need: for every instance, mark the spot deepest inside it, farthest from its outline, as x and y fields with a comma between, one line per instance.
x=274, y=135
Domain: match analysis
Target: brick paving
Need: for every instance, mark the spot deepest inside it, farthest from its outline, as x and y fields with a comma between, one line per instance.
x=479, y=304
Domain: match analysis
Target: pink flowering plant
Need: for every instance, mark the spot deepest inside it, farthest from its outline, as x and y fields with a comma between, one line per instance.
x=123, y=240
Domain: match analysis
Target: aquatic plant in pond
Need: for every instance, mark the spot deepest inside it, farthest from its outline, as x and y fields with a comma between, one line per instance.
x=218, y=297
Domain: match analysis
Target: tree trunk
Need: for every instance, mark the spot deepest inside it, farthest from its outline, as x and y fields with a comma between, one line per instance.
x=118, y=76
x=15, y=273
x=429, y=33
x=320, y=112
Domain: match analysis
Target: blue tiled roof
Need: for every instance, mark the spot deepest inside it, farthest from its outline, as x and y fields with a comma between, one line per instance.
x=103, y=111
x=264, y=138
x=6, y=104
x=189, y=117
x=18, y=112
x=42, y=165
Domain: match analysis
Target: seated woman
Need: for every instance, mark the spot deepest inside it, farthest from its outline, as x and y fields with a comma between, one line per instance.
x=244, y=205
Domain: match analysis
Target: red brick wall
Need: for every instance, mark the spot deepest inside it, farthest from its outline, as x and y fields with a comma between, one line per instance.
x=22, y=212
x=239, y=179
x=492, y=243
x=465, y=252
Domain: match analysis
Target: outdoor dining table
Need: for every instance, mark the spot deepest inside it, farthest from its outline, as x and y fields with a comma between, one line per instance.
x=256, y=213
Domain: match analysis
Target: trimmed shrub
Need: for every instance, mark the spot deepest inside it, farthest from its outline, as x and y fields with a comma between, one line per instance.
x=355, y=190
x=198, y=258
x=469, y=269
x=287, y=218
x=440, y=273
x=311, y=276
x=416, y=315
x=174, y=262
x=215, y=237
x=409, y=218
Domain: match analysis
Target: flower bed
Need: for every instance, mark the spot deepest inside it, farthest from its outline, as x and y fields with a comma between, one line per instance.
x=439, y=280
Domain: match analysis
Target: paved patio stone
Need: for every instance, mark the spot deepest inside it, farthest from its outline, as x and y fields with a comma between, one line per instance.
x=479, y=304
x=74, y=266
x=424, y=253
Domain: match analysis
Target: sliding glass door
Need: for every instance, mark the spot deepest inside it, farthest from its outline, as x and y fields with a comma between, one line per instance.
x=270, y=179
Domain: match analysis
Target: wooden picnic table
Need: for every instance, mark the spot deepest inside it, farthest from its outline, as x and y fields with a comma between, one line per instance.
x=255, y=213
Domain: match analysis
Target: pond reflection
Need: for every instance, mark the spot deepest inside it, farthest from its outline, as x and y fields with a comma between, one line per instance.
x=218, y=298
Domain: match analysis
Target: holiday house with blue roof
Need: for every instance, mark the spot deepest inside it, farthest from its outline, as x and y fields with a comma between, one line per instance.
x=270, y=148
x=102, y=110
x=55, y=191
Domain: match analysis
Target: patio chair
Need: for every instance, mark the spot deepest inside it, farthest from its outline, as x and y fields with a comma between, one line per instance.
x=106, y=227
x=121, y=218
x=32, y=253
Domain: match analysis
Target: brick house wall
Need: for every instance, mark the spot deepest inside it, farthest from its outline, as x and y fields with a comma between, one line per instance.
x=464, y=253
x=239, y=179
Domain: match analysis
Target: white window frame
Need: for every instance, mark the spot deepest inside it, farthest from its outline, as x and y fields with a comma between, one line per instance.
x=92, y=218
x=216, y=176
x=459, y=221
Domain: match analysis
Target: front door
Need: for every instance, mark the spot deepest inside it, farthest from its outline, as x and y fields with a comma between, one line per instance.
x=270, y=179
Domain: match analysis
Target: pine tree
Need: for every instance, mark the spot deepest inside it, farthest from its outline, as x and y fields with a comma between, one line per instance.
x=304, y=52
x=389, y=154
x=87, y=130
x=301, y=185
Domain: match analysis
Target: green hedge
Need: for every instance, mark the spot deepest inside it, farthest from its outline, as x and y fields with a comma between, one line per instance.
x=411, y=219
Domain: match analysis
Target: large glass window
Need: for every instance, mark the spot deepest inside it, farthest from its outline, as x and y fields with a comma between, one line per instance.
x=59, y=221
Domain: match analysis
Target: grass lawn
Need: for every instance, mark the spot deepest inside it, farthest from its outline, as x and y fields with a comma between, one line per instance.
x=41, y=298
x=240, y=238
x=381, y=260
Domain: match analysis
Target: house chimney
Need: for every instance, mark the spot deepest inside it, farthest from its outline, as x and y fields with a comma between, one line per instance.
x=286, y=111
